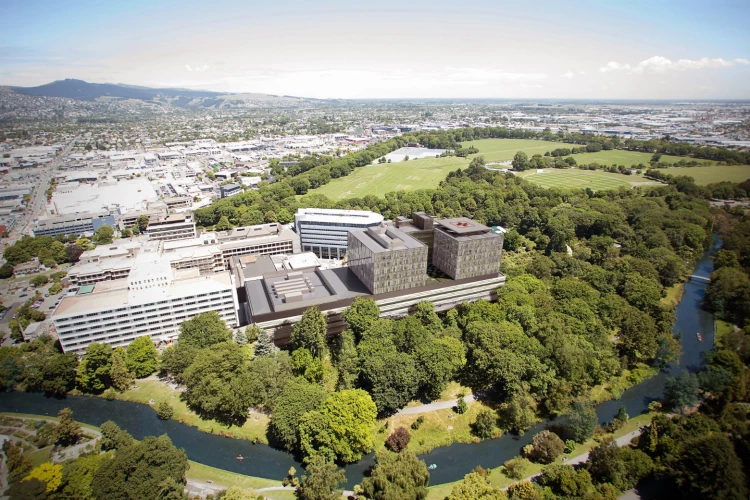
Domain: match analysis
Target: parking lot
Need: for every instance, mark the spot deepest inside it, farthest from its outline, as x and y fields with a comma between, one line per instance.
x=15, y=293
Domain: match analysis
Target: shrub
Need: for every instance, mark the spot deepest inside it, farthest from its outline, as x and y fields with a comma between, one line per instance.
x=570, y=446
x=484, y=426
x=398, y=440
x=515, y=468
x=547, y=446
x=418, y=422
x=164, y=410
x=461, y=406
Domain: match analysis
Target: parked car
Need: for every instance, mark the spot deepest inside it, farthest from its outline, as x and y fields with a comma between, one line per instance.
x=22, y=295
x=46, y=295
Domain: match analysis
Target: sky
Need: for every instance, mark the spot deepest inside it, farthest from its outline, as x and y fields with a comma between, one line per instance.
x=604, y=49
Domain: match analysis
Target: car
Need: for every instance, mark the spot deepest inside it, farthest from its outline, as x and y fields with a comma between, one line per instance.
x=46, y=295
x=52, y=306
x=23, y=295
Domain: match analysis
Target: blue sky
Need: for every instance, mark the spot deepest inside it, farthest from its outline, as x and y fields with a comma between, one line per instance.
x=545, y=49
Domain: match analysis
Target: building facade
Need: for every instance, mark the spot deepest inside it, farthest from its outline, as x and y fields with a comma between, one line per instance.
x=153, y=301
x=386, y=259
x=173, y=227
x=77, y=224
x=464, y=248
x=325, y=231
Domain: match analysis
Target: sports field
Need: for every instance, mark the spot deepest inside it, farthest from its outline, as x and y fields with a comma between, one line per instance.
x=626, y=158
x=582, y=179
x=506, y=149
x=713, y=174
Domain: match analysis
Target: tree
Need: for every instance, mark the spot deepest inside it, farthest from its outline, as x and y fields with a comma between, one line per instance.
x=345, y=359
x=547, y=446
x=240, y=337
x=708, y=467
x=476, y=487
x=126, y=233
x=77, y=476
x=223, y=224
x=235, y=493
x=304, y=365
x=361, y=315
x=93, y=374
x=681, y=392
x=39, y=280
x=582, y=420
x=141, y=357
x=138, y=470
x=204, y=330
x=118, y=373
x=461, y=406
x=47, y=473
x=345, y=426
x=142, y=222
x=6, y=270
x=68, y=430
x=296, y=399
x=521, y=412
x=520, y=161
x=114, y=438
x=389, y=376
x=516, y=468
x=397, y=476
x=104, y=235
x=523, y=491
x=73, y=252
x=310, y=332
x=321, y=481
x=398, y=440
x=33, y=489
x=265, y=346
x=164, y=410
x=565, y=481
x=216, y=384
x=438, y=362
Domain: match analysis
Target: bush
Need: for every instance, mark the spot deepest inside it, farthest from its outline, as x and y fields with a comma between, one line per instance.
x=570, y=446
x=461, y=406
x=39, y=280
x=415, y=425
x=164, y=410
x=546, y=447
x=516, y=468
x=55, y=289
x=484, y=426
x=398, y=440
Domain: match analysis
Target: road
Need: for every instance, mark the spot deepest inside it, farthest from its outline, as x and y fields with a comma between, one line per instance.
x=437, y=405
x=34, y=208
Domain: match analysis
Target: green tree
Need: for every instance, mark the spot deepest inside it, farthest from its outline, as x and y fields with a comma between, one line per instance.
x=310, y=332
x=93, y=374
x=296, y=399
x=345, y=426
x=6, y=270
x=438, y=361
x=27, y=490
x=361, y=315
x=321, y=481
x=77, y=476
x=520, y=161
x=582, y=420
x=345, y=359
x=476, y=487
x=547, y=446
x=204, y=330
x=114, y=438
x=138, y=470
x=397, y=476
x=39, y=280
x=708, y=467
x=104, y=235
x=68, y=430
x=516, y=468
x=523, y=491
x=240, y=337
x=389, y=376
x=118, y=373
x=565, y=481
x=216, y=384
x=126, y=233
x=681, y=392
x=521, y=412
x=223, y=224
x=142, y=223
x=141, y=357
x=304, y=365
x=484, y=425
x=164, y=410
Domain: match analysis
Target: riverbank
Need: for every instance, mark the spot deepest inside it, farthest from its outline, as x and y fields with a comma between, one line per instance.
x=500, y=480
x=201, y=478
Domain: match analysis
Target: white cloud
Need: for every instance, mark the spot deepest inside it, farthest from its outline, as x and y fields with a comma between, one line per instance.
x=568, y=74
x=659, y=64
x=199, y=69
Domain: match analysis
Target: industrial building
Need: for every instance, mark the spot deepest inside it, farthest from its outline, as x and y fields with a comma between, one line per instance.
x=325, y=231
x=152, y=301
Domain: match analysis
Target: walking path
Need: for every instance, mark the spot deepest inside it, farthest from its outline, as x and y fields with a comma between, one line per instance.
x=437, y=405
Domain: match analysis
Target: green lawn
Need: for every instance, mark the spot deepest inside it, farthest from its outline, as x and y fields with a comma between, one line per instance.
x=582, y=179
x=722, y=328
x=226, y=479
x=716, y=173
x=159, y=391
x=40, y=457
x=626, y=158
x=506, y=149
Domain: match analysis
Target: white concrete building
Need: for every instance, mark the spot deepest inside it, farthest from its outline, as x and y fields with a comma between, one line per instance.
x=324, y=231
x=173, y=227
x=153, y=301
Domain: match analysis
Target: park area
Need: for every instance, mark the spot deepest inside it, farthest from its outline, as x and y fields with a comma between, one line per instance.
x=427, y=173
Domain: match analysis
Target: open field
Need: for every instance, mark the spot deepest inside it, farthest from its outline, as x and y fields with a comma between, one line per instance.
x=582, y=179
x=380, y=179
x=219, y=477
x=626, y=158
x=506, y=149
x=715, y=173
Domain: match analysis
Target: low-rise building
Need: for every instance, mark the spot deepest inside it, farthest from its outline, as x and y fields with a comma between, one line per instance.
x=26, y=268
x=229, y=190
x=172, y=227
x=77, y=224
x=325, y=231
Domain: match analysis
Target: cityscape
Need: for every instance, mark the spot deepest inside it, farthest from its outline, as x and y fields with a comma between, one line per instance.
x=274, y=265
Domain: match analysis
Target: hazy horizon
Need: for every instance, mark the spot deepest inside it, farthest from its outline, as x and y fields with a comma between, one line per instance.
x=478, y=50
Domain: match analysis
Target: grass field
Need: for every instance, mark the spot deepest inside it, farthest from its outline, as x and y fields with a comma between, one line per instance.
x=582, y=179
x=427, y=173
x=226, y=479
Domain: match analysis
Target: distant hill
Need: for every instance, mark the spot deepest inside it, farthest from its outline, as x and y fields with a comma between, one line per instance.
x=85, y=91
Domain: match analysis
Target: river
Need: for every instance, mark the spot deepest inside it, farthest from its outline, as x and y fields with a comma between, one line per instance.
x=453, y=461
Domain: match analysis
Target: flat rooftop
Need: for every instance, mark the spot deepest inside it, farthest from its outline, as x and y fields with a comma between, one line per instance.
x=129, y=194
x=463, y=225
x=335, y=215
x=387, y=239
